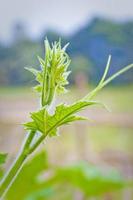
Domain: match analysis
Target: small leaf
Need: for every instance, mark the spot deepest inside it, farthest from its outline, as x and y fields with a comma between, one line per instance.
x=64, y=114
x=38, y=88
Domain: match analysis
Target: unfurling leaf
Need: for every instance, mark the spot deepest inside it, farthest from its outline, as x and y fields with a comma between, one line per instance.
x=52, y=77
x=48, y=124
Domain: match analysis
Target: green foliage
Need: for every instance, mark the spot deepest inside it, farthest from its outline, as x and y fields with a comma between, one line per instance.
x=91, y=180
x=64, y=114
x=62, y=182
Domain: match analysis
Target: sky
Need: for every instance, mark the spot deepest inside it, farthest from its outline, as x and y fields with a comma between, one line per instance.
x=65, y=16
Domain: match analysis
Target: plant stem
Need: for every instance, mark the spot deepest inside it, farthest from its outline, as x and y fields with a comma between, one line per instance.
x=11, y=175
x=38, y=142
x=16, y=167
x=104, y=82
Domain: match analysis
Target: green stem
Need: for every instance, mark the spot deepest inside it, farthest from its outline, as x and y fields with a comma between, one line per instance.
x=29, y=140
x=117, y=74
x=16, y=167
x=104, y=82
x=38, y=142
x=11, y=175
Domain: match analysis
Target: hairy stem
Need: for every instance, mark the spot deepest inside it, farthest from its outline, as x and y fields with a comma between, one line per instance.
x=16, y=167
x=104, y=82
x=12, y=174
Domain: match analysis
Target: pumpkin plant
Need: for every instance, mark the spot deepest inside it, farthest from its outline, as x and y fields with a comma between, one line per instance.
x=51, y=81
x=63, y=182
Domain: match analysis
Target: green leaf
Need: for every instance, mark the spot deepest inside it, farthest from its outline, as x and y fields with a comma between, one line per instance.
x=3, y=157
x=27, y=180
x=64, y=114
x=91, y=180
x=39, y=180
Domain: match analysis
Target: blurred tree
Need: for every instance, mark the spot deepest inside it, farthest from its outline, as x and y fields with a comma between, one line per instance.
x=91, y=46
x=19, y=32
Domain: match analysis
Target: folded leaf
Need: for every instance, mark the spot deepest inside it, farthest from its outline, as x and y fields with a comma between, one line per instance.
x=52, y=78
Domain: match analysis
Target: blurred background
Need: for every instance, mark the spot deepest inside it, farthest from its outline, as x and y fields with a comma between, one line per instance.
x=94, y=30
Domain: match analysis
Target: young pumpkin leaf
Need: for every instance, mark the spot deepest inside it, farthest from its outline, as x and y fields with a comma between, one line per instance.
x=64, y=114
